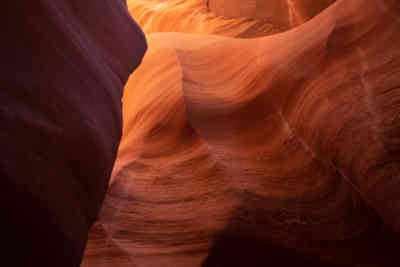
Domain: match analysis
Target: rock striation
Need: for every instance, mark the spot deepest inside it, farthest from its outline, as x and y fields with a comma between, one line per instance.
x=281, y=150
x=234, y=18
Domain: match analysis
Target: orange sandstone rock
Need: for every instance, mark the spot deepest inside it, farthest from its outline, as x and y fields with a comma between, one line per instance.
x=281, y=150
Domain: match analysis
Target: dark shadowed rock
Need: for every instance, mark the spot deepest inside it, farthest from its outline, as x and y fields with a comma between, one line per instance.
x=62, y=71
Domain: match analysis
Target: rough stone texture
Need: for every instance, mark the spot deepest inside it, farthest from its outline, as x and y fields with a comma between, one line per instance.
x=63, y=67
x=274, y=151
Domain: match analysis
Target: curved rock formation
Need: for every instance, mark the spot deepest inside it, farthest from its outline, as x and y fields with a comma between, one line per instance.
x=285, y=13
x=193, y=16
x=241, y=19
x=63, y=68
x=280, y=151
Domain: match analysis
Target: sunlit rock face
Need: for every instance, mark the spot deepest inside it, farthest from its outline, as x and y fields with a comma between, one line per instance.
x=200, y=17
x=275, y=151
x=241, y=19
x=63, y=67
x=244, y=151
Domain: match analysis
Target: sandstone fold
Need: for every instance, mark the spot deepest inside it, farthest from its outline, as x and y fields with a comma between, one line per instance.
x=234, y=18
x=279, y=150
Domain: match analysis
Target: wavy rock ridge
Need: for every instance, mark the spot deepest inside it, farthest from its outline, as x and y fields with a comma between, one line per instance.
x=195, y=17
x=279, y=150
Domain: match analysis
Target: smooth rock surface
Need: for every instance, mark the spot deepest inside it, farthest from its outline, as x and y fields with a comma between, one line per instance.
x=283, y=13
x=241, y=19
x=274, y=151
x=62, y=71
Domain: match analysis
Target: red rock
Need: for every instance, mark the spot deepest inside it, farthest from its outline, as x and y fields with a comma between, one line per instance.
x=281, y=150
x=234, y=18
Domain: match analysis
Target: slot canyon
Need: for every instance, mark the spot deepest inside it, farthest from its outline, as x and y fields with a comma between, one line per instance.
x=201, y=133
